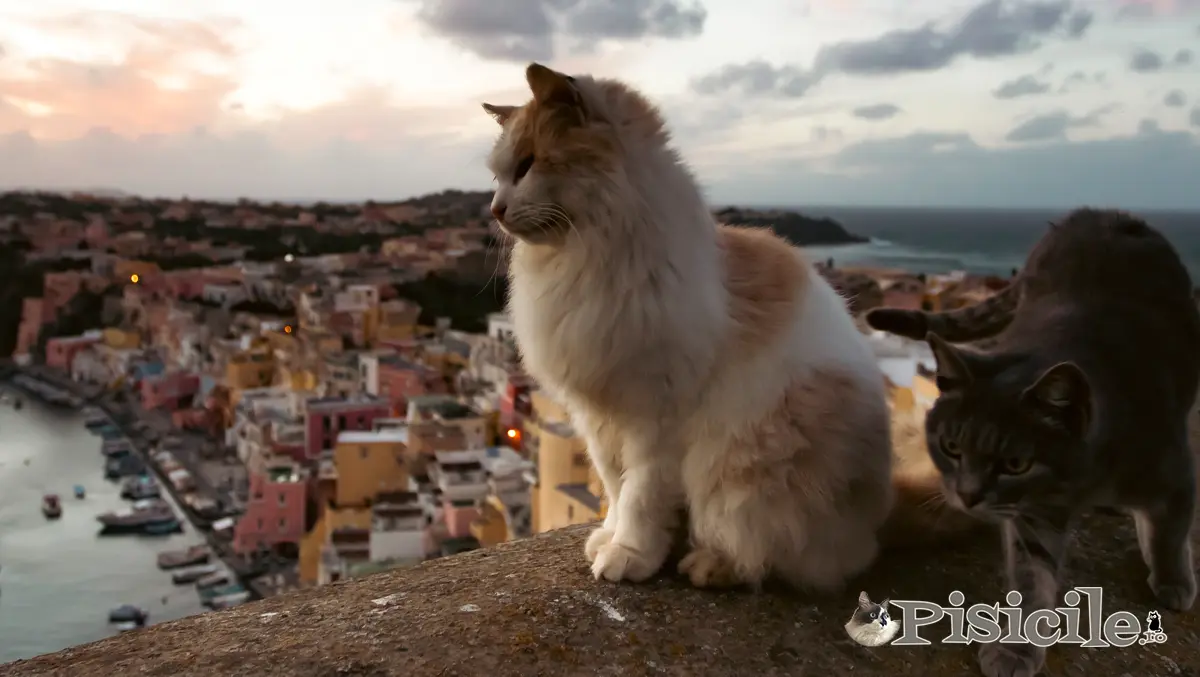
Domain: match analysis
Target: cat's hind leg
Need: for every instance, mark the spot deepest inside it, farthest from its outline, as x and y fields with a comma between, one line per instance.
x=1164, y=530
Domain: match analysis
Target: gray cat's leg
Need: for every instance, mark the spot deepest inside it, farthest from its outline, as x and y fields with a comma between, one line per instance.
x=1035, y=548
x=1164, y=530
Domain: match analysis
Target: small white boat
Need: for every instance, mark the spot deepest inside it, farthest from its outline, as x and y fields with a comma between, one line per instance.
x=231, y=600
x=213, y=580
x=194, y=573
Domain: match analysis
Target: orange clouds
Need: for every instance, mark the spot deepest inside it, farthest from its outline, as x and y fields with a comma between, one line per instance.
x=173, y=76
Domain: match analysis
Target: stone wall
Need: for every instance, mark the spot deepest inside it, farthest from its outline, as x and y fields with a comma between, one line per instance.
x=531, y=608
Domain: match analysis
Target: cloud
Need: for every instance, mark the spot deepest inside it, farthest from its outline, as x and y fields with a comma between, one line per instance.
x=1026, y=85
x=525, y=30
x=1145, y=61
x=1143, y=170
x=1183, y=57
x=67, y=98
x=1053, y=126
x=992, y=29
x=1080, y=78
x=1194, y=117
x=879, y=111
x=1175, y=99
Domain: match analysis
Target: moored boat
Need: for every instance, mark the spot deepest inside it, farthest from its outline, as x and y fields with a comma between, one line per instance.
x=128, y=613
x=163, y=527
x=51, y=506
x=207, y=595
x=230, y=600
x=144, y=513
x=173, y=559
x=213, y=580
x=80, y=492
x=140, y=488
x=193, y=573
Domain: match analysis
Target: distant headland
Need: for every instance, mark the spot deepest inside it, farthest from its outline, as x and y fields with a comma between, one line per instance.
x=800, y=230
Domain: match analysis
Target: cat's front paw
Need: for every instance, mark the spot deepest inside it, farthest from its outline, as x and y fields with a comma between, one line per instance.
x=616, y=562
x=1174, y=595
x=599, y=538
x=1010, y=660
x=708, y=569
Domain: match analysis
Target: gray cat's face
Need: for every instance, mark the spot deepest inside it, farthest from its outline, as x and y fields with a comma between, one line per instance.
x=869, y=613
x=1001, y=441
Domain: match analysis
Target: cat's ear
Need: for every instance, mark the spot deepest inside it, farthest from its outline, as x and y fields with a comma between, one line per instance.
x=864, y=602
x=953, y=372
x=551, y=87
x=1061, y=397
x=884, y=604
x=500, y=114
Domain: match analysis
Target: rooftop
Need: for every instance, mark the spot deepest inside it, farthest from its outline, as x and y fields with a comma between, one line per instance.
x=531, y=607
x=374, y=436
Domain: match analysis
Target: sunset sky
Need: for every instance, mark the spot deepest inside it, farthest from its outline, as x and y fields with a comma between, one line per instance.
x=826, y=102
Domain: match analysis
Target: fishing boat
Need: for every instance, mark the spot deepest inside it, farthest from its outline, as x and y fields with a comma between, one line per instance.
x=51, y=506
x=207, y=595
x=213, y=580
x=231, y=600
x=140, y=488
x=80, y=492
x=116, y=448
x=144, y=513
x=163, y=527
x=123, y=466
x=173, y=559
x=96, y=420
x=194, y=573
x=128, y=613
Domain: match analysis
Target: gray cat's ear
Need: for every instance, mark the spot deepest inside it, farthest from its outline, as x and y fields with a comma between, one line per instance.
x=500, y=114
x=1061, y=398
x=863, y=600
x=953, y=372
x=885, y=602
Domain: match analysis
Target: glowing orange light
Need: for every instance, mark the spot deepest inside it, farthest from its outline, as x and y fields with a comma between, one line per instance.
x=512, y=434
x=134, y=278
x=287, y=329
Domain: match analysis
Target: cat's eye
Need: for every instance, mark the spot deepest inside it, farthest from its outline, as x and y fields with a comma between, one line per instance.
x=950, y=448
x=523, y=168
x=874, y=614
x=1017, y=465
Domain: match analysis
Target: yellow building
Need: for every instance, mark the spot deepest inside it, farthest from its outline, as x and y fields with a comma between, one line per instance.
x=250, y=369
x=567, y=491
x=119, y=339
x=368, y=463
x=332, y=518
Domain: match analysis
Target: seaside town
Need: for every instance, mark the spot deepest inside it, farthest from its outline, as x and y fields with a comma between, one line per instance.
x=325, y=391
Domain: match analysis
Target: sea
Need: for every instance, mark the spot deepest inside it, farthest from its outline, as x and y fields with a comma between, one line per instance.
x=975, y=240
x=58, y=578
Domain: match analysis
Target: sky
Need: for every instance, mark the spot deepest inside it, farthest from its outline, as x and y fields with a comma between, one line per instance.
x=992, y=103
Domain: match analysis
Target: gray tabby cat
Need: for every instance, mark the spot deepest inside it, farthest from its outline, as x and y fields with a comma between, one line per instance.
x=1081, y=401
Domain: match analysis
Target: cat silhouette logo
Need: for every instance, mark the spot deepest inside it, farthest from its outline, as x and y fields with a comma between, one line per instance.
x=871, y=624
x=1153, y=634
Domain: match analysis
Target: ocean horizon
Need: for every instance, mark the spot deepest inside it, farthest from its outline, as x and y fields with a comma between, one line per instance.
x=986, y=241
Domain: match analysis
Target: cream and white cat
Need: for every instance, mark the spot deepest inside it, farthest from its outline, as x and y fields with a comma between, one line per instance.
x=708, y=367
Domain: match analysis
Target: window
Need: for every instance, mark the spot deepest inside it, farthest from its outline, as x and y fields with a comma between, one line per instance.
x=260, y=524
x=364, y=451
x=570, y=512
x=283, y=524
x=282, y=499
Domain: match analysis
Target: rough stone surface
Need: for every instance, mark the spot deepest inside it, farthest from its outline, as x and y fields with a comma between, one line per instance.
x=531, y=608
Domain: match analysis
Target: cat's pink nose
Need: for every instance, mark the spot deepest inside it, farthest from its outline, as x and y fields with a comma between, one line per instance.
x=498, y=211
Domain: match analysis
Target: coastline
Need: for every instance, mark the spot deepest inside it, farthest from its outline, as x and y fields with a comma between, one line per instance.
x=131, y=420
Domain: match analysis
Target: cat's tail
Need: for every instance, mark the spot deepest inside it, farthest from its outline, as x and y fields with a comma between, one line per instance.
x=920, y=514
x=962, y=325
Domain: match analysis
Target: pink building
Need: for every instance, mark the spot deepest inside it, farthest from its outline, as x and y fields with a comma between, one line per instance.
x=275, y=513
x=61, y=351
x=325, y=417
x=401, y=380
x=185, y=284
x=32, y=319
x=96, y=233
x=172, y=391
x=458, y=516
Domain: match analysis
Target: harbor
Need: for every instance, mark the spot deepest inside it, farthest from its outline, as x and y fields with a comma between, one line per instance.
x=59, y=579
x=138, y=498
